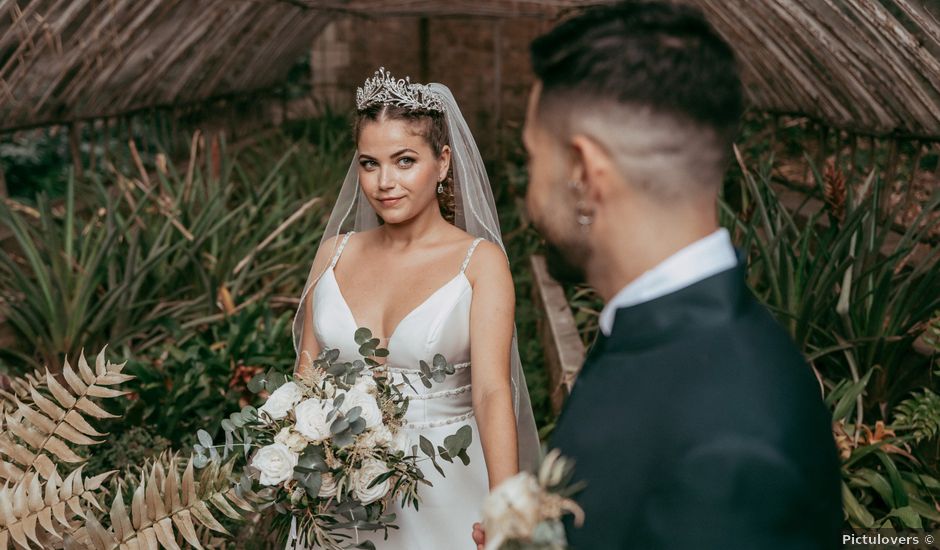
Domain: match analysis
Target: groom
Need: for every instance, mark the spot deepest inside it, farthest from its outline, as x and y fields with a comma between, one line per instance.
x=695, y=421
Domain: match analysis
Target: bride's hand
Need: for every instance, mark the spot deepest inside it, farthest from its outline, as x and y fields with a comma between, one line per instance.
x=479, y=536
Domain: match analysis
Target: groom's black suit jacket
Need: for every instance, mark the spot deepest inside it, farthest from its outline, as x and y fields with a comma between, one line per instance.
x=697, y=424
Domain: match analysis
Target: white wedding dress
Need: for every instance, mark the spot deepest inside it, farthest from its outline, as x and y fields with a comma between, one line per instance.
x=440, y=324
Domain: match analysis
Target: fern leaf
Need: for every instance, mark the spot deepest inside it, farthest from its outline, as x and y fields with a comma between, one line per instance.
x=165, y=505
x=920, y=414
x=28, y=508
x=43, y=427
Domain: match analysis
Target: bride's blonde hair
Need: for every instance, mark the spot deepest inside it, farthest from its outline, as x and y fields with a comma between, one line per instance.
x=430, y=125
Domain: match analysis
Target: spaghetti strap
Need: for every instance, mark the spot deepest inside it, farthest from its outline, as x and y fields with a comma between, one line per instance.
x=466, y=261
x=339, y=250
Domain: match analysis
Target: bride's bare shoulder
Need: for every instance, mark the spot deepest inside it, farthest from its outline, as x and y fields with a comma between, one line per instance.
x=488, y=261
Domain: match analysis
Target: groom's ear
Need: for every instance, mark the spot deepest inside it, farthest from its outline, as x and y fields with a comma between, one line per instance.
x=593, y=166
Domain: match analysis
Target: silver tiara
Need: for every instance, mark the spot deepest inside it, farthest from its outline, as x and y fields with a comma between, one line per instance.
x=385, y=89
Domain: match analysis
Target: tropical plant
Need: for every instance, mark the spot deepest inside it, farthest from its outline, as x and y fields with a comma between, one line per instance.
x=197, y=375
x=158, y=250
x=855, y=296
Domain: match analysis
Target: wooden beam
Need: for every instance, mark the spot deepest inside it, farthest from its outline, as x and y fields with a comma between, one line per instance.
x=564, y=351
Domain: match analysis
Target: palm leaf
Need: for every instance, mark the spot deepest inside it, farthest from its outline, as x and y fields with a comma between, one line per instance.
x=42, y=426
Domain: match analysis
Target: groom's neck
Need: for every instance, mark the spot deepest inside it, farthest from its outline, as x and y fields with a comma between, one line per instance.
x=628, y=243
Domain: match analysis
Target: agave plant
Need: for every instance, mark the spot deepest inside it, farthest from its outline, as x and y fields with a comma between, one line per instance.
x=129, y=258
x=47, y=423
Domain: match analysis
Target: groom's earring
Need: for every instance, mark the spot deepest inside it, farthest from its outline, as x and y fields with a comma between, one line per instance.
x=585, y=216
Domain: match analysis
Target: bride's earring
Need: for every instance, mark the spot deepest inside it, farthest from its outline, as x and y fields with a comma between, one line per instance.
x=440, y=187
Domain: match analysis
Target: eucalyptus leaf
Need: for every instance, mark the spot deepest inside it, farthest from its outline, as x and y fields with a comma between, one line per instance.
x=439, y=361
x=237, y=420
x=257, y=383
x=249, y=413
x=362, y=336
x=426, y=446
x=353, y=414
x=200, y=461
x=275, y=380
x=204, y=438
x=343, y=439
x=357, y=426
x=339, y=425
x=313, y=457
x=338, y=400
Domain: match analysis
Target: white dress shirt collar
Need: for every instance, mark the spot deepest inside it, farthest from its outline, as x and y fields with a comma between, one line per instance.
x=700, y=260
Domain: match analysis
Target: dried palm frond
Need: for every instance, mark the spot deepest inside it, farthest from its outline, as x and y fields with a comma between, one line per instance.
x=39, y=428
x=32, y=502
x=163, y=505
x=42, y=425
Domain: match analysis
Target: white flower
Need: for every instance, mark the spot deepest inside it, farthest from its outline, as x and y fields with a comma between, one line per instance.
x=361, y=478
x=511, y=511
x=311, y=419
x=379, y=436
x=281, y=400
x=293, y=440
x=328, y=486
x=366, y=384
x=400, y=442
x=370, y=409
x=276, y=463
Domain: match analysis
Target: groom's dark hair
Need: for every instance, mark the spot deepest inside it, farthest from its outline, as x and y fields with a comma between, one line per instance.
x=659, y=58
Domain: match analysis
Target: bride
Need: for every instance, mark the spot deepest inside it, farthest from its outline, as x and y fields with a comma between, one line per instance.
x=413, y=252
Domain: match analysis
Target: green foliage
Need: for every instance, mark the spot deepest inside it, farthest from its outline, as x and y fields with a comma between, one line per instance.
x=919, y=414
x=35, y=161
x=132, y=262
x=191, y=382
x=844, y=288
x=855, y=297
x=127, y=451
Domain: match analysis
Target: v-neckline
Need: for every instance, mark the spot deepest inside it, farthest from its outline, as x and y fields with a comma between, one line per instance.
x=388, y=341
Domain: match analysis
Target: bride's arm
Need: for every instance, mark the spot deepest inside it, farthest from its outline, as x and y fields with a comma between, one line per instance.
x=491, y=326
x=308, y=342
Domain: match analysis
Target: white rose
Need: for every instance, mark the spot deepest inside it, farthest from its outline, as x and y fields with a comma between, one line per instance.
x=294, y=441
x=370, y=409
x=511, y=511
x=281, y=400
x=366, y=384
x=379, y=436
x=361, y=478
x=276, y=463
x=311, y=419
x=328, y=486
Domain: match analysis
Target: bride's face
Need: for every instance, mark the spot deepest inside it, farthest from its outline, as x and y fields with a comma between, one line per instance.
x=398, y=170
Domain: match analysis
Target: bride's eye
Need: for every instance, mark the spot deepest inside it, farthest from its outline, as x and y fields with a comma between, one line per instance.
x=406, y=162
x=368, y=164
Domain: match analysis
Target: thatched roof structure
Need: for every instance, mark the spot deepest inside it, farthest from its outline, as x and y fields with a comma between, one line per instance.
x=871, y=66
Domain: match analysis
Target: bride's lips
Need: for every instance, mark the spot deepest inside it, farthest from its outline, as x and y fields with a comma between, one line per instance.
x=390, y=201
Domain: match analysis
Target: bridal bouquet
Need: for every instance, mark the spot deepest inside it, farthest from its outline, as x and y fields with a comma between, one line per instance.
x=524, y=512
x=326, y=449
